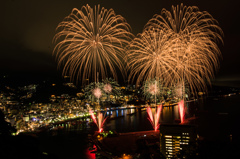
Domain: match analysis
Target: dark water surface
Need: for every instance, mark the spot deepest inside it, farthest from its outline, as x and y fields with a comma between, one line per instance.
x=216, y=119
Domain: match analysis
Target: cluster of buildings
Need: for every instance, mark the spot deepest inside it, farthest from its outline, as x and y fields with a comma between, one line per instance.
x=30, y=107
x=171, y=141
x=178, y=141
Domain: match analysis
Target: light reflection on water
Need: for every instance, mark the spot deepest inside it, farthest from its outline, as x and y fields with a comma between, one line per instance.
x=128, y=120
x=134, y=119
x=211, y=114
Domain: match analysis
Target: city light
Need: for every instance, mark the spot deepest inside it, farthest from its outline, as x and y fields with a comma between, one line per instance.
x=168, y=64
x=175, y=46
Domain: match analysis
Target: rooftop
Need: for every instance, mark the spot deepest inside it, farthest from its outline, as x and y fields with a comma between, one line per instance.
x=128, y=144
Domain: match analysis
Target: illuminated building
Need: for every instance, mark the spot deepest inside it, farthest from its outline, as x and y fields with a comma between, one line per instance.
x=178, y=140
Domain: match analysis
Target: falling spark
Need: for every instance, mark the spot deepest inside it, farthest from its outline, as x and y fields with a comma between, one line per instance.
x=92, y=40
x=194, y=50
x=148, y=56
x=154, y=119
x=181, y=110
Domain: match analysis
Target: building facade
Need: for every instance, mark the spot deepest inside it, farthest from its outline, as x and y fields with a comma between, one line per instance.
x=178, y=141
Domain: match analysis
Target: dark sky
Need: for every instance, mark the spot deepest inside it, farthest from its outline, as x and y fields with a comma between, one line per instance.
x=28, y=26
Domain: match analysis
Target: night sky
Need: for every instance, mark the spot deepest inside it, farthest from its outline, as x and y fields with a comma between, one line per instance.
x=28, y=27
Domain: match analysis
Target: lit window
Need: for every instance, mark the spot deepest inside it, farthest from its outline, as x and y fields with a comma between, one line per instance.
x=168, y=136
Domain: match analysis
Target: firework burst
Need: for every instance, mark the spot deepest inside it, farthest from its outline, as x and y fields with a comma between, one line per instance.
x=148, y=56
x=91, y=40
x=194, y=51
x=181, y=90
x=152, y=88
x=110, y=86
x=97, y=92
x=107, y=88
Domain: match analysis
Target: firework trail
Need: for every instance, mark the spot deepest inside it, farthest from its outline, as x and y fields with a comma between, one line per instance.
x=99, y=121
x=148, y=56
x=154, y=119
x=93, y=116
x=181, y=110
x=92, y=40
x=194, y=50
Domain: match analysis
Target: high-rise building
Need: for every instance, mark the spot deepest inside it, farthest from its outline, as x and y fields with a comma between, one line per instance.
x=178, y=141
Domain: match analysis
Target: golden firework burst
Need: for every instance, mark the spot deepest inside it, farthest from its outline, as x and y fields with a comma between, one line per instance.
x=177, y=46
x=92, y=40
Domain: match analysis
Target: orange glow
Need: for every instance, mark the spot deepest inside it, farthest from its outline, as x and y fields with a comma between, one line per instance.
x=94, y=40
x=175, y=46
